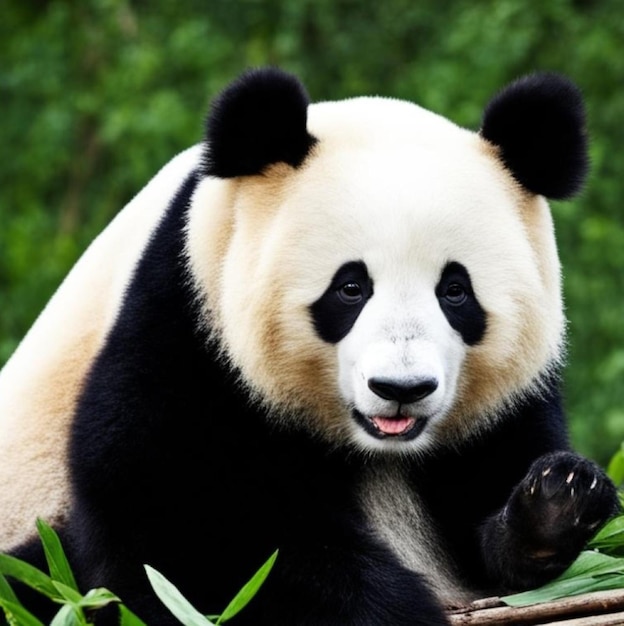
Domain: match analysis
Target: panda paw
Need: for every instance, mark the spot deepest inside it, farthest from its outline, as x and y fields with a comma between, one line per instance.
x=559, y=505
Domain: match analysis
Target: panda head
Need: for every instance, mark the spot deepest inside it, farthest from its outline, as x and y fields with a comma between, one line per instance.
x=377, y=274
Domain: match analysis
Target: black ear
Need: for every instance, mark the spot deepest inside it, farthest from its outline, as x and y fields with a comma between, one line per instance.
x=257, y=120
x=538, y=122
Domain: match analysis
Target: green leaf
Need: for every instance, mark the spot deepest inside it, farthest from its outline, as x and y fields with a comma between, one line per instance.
x=248, y=591
x=55, y=556
x=97, y=598
x=69, y=615
x=615, y=469
x=565, y=588
x=128, y=618
x=592, y=571
x=6, y=593
x=171, y=597
x=17, y=615
x=592, y=563
x=67, y=594
x=29, y=575
x=610, y=538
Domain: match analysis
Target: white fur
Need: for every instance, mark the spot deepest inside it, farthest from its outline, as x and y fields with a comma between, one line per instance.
x=405, y=191
x=40, y=383
x=388, y=183
x=401, y=522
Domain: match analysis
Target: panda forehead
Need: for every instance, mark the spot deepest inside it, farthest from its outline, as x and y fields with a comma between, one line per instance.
x=390, y=195
x=394, y=152
x=400, y=188
x=361, y=120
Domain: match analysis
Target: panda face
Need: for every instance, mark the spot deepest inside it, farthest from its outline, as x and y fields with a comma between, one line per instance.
x=399, y=369
x=393, y=291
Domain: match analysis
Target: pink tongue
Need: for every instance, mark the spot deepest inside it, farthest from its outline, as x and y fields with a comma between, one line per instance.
x=394, y=426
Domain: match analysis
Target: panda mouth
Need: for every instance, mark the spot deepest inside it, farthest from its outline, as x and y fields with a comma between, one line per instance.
x=399, y=427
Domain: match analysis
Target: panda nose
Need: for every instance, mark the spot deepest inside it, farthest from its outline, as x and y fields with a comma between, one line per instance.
x=401, y=392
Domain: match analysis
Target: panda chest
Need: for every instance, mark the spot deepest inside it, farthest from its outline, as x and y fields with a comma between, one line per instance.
x=401, y=522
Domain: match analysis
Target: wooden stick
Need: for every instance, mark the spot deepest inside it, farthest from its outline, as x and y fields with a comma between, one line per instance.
x=591, y=605
x=609, y=619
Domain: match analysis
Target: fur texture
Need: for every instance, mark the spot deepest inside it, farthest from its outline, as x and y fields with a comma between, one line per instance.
x=335, y=330
x=538, y=122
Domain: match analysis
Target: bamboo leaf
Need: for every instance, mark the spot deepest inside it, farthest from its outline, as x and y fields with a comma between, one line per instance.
x=592, y=563
x=564, y=589
x=17, y=615
x=69, y=615
x=248, y=591
x=6, y=592
x=55, y=555
x=128, y=618
x=592, y=571
x=610, y=538
x=171, y=597
x=97, y=598
x=29, y=575
x=67, y=594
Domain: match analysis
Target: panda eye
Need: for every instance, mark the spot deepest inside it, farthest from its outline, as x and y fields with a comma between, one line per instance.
x=455, y=294
x=350, y=293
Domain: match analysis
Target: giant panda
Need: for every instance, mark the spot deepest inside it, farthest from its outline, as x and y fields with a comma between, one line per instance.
x=334, y=330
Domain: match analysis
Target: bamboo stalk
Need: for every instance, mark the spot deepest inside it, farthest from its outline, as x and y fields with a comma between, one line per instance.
x=601, y=608
x=609, y=619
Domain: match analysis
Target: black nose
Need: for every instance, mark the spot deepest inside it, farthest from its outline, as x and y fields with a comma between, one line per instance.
x=403, y=392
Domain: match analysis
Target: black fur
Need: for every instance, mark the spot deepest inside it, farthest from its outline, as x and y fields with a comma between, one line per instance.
x=199, y=486
x=459, y=303
x=538, y=122
x=548, y=519
x=335, y=312
x=260, y=119
x=174, y=467
x=490, y=535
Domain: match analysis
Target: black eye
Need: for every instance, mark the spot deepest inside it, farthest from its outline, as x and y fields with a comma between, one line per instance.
x=459, y=303
x=350, y=293
x=455, y=294
x=335, y=312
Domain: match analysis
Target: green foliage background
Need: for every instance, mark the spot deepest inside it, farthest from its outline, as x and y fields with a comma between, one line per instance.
x=98, y=94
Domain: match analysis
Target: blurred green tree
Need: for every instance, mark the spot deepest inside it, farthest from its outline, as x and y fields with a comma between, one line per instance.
x=97, y=95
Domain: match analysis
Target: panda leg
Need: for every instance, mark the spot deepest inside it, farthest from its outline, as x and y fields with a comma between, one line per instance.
x=347, y=583
x=547, y=521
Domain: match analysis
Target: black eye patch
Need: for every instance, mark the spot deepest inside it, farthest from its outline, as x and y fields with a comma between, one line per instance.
x=459, y=303
x=335, y=312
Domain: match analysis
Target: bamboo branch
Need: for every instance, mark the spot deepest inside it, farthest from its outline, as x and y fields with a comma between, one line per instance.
x=601, y=608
